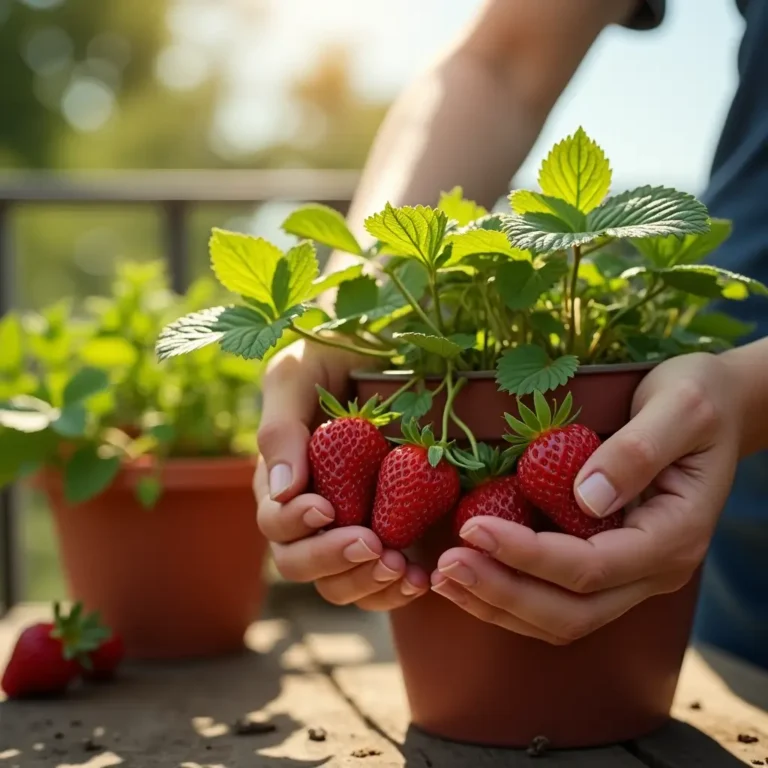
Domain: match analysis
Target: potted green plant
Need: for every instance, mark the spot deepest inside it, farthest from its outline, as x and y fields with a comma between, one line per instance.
x=467, y=317
x=147, y=468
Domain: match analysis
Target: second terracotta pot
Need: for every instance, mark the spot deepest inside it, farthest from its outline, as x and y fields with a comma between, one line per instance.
x=474, y=682
x=183, y=579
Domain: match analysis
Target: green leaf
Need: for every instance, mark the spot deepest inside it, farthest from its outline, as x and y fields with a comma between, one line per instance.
x=191, y=332
x=109, y=352
x=324, y=225
x=435, y=454
x=671, y=250
x=165, y=433
x=639, y=213
x=710, y=282
x=720, y=325
x=356, y=297
x=576, y=171
x=11, y=350
x=481, y=242
x=20, y=450
x=72, y=421
x=456, y=207
x=303, y=268
x=87, y=474
x=523, y=369
x=436, y=345
x=520, y=284
x=281, y=285
x=25, y=413
x=546, y=323
x=523, y=201
x=244, y=264
x=84, y=384
x=148, y=491
x=333, y=280
x=244, y=332
x=417, y=232
x=413, y=405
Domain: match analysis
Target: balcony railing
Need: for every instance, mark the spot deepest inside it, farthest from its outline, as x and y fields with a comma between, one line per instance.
x=175, y=194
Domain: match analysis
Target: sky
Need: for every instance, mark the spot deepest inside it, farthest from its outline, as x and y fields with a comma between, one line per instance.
x=655, y=101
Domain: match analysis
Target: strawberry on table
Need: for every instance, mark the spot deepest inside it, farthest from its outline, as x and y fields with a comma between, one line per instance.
x=552, y=451
x=417, y=485
x=104, y=661
x=47, y=656
x=345, y=454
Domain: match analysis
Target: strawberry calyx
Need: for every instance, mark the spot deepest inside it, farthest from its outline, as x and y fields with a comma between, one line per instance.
x=373, y=410
x=79, y=633
x=538, y=422
x=492, y=462
x=437, y=450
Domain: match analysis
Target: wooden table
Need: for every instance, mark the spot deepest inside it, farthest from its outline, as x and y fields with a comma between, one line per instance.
x=316, y=667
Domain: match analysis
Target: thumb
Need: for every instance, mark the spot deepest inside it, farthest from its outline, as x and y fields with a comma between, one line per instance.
x=629, y=461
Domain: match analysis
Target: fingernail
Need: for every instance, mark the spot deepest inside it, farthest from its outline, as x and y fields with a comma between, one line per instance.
x=453, y=594
x=314, y=518
x=359, y=552
x=598, y=494
x=383, y=573
x=280, y=479
x=476, y=535
x=409, y=589
x=460, y=573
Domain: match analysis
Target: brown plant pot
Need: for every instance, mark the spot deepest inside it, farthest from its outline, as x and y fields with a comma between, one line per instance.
x=474, y=682
x=183, y=579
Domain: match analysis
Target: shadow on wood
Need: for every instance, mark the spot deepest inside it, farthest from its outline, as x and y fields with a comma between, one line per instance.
x=748, y=682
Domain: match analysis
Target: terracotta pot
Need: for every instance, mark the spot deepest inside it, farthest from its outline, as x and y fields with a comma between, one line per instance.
x=183, y=579
x=473, y=682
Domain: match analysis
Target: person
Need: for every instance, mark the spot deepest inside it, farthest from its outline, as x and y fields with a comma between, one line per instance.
x=700, y=423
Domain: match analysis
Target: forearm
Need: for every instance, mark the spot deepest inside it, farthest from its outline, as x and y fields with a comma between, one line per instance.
x=749, y=366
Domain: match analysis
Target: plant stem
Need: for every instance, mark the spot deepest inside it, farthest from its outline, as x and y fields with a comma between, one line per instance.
x=404, y=388
x=572, y=298
x=408, y=296
x=436, y=300
x=467, y=431
x=342, y=345
x=453, y=390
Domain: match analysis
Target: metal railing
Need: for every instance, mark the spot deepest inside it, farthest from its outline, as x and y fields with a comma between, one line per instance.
x=176, y=194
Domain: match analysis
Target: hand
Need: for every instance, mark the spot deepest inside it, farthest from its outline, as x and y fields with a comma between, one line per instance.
x=679, y=452
x=348, y=565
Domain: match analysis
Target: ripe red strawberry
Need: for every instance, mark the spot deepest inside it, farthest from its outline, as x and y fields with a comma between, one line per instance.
x=345, y=455
x=553, y=451
x=105, y=660
x=47, y=656
x=417, y=486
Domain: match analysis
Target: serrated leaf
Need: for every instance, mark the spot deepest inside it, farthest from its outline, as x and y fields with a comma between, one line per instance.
x=323, y=224
x=720, y=325
x=482, y=242
x=710, y=282
x=577, y=171
x=189, y=333
x=435, y=345
x=148, y=491
x=523, y=369
x=25, y=413
x=413, y=405
x=11, y=346
x=84, y=384
x=461, y=210
x=87, y=474
x=524, y=201
x=72, y=421
x=416, y=232
x=333, y=280
x=245, y=264
x=244, y=332
x=281, y=284
x=639, y=213
x=520, y=284
x=671, y=250
x=356, y=297
x=303, y=268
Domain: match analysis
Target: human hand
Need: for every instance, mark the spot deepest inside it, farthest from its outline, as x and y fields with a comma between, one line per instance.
x=678, y=453
x=348, y=565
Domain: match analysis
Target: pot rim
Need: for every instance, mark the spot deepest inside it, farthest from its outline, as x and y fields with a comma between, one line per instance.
x=582, y=370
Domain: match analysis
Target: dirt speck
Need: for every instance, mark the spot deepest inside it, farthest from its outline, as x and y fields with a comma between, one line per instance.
x=58, y=735
x=758, y=762
x=746, y=738
x=366, y=752
x=538, y=746
x=76, y=723
x=246, y=727
x=317, y=734
x=695, y=705
x=91, y=745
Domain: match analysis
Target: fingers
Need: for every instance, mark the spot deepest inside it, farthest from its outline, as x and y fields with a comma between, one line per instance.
x=558, y=614
x=665, y=429
x=406, y=590
x=297, y=519
x=326, y=555
x=364, y=580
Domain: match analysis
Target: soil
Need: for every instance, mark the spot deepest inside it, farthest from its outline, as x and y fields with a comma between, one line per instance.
x=696, y=705
x=366, y=752
x=246, y=727
x=538, y=746
x=745, y=738
x=317, y=734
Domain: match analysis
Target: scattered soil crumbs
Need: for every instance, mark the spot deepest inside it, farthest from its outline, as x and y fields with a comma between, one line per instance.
x=745, y=738
x=538, y=746
x=91, y=745
x=246, y=727
x=317, y=734
x=696, y=705
x=366, y=752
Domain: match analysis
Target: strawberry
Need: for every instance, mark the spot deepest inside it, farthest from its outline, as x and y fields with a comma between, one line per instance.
x=552, y=450
x=345, y=455
x=417, y=486
x=47, y=656
x=105, y=660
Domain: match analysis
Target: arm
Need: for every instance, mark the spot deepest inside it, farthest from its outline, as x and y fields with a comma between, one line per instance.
x=749, y=367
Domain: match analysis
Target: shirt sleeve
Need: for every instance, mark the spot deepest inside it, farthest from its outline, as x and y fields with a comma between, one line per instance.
x=649, y=14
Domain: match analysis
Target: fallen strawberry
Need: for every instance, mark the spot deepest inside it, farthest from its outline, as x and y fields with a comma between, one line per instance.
x=493, y=492
x=345, y=455
x=552, y=450
x=104, y=661
x=417, y=486
x=47, y=656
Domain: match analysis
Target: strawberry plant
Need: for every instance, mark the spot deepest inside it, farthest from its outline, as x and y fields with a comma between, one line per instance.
x=81, y=389
x=558, y=278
